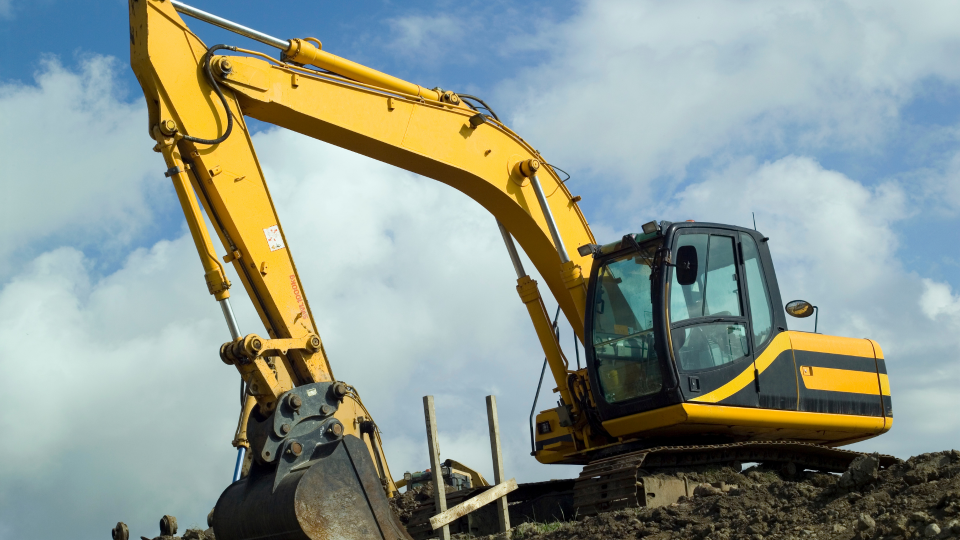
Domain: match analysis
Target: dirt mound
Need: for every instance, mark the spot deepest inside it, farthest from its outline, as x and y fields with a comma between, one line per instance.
x=918, y=498
x=408, y=501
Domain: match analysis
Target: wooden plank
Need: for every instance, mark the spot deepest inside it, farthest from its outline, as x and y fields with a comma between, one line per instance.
x=464, y=508
x=503, y=514
x=440, y=498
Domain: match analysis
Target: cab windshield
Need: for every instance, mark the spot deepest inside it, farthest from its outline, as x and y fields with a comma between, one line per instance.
x=623, y=336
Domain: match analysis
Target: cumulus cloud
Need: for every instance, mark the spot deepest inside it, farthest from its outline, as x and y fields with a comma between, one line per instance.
x=638, y=90
x=77, y=163
x=415, y=34
x=938, y=299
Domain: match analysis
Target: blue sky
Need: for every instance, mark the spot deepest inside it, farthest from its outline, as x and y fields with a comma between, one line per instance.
x=837, y=124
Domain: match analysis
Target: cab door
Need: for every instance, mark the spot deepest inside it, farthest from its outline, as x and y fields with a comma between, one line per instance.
x=708, y=320
x=773, y=354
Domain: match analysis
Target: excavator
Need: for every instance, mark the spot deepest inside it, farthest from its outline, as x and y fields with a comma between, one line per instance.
x=688, y=357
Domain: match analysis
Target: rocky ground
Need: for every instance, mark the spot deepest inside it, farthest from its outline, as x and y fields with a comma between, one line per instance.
x=918, y=498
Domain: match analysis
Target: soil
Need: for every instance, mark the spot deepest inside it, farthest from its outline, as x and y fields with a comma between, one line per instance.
x=918, y=498
x=408, y=501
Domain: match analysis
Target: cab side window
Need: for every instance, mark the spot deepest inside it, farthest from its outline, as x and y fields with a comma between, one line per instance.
x=715, y=293
x=760, y=309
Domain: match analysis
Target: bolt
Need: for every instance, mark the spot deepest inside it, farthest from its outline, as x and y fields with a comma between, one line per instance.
x=339, y=390
x=314, y=343
x=285, y=428
x=225, y=355
x=529, y=167
x=336, y=429
x=225, y=66
x=256, y=344
x=326, y=410
x=168, y=127
x=295, y=448
x=295, y=402
x=450, y=97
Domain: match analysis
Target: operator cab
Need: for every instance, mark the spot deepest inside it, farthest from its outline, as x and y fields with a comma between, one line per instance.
x=678, y=312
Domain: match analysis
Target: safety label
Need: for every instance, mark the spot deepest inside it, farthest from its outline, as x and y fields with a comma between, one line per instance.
x=274, y=240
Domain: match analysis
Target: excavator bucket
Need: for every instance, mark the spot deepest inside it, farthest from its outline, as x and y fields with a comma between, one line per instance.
x=308, y=480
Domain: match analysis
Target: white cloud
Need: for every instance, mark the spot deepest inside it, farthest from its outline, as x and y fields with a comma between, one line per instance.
x=416, y=34
x=636, y=90
x=938, y=302
x=6, y=9
x=77, y=162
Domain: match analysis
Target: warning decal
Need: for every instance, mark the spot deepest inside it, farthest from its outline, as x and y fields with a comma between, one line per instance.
x=274, y=240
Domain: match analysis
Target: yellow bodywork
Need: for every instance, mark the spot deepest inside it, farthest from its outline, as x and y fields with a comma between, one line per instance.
x=706, y=415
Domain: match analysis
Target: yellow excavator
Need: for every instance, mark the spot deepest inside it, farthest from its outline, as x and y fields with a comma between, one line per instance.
x=688, y=356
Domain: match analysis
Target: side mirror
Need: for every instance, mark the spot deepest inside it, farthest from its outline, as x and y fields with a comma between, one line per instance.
x=800, y=309
x=687, y=265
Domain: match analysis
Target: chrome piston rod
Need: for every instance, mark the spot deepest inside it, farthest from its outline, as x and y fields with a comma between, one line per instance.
x=234, y=334
x=551, y=224
x=201, y=15
x=512, y=250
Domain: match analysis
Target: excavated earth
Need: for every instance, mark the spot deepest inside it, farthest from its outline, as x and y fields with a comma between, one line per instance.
x=917, y=498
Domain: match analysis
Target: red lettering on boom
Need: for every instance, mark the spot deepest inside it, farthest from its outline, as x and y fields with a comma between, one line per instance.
x=296, y=294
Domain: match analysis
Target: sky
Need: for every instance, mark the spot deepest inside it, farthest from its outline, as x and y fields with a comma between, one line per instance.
x=835, y=124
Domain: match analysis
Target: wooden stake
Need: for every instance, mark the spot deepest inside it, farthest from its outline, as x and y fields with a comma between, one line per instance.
x=498, y=492
x=503, y=514
x=435, y=468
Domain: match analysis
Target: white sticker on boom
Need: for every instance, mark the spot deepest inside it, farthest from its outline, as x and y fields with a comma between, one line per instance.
x=311, y=392
x=274, y=240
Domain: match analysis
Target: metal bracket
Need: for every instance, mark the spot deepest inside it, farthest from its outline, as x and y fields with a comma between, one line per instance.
x=172, y=171
x=251, y=347
x=302, y=422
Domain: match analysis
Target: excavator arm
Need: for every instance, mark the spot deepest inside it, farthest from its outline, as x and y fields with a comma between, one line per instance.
x=426, y=132
x=197, y=99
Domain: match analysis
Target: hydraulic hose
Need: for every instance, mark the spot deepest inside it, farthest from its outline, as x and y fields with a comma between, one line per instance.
x=485, y=106
x=208, y=70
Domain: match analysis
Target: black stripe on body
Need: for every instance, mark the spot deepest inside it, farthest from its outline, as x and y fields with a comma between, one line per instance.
x=745, y=397
x=778, y=383
x=836, y=361
x=822, y=401
x=887, y=406
x=881, y=366
x=562, y=438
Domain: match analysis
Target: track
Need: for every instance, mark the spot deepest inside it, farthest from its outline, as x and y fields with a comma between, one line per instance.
x=619, y=482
